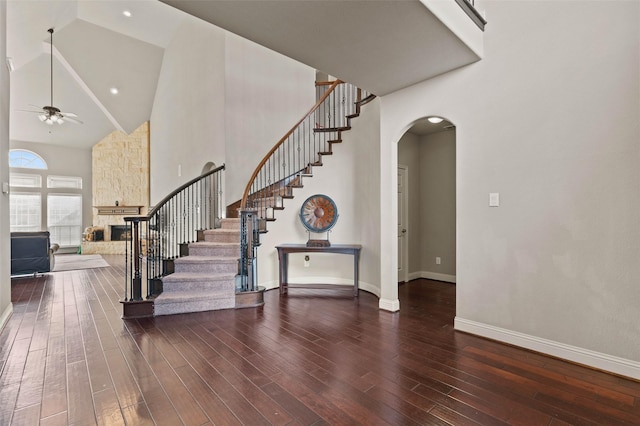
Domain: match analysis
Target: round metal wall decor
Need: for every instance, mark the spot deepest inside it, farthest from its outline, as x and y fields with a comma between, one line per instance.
x=318, y=213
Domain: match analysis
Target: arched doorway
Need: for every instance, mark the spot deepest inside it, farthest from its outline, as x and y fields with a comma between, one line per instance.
x=208, y=167
x=214, y=193
x=427, y=201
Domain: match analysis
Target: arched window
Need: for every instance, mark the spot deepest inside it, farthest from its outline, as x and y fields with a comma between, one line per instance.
x=26, y=159
x=55, y=206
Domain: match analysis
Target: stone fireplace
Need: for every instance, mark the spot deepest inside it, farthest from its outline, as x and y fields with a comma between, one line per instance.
x=120, y=168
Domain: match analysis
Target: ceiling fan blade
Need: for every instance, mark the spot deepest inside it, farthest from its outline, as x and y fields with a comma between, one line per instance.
x=68, y=114
x=29, y=110
x=71, y=120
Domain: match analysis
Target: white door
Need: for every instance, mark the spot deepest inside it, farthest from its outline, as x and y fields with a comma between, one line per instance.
x=403, y=218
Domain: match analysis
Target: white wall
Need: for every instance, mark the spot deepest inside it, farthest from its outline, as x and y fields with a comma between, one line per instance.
x=5, y=240
x=223, y=99
x=266, y=94
x=350, y=177
x=438, y=205
x=188, y=119
x=549, y=118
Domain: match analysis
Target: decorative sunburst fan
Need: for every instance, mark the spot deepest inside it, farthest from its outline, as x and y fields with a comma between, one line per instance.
x=318, y=213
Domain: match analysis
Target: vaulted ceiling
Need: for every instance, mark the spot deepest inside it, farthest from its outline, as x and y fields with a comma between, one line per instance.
x=381, y=45
x=96, y=48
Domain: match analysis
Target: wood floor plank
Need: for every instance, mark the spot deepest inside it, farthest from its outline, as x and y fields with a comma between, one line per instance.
x=540, y=374
x=210, y=402
x=292, y=405
x=160, y=407
x=108, y=411
x=8, y=396
x=138, y=415
x=54, y=397
x=26, y=416
x=186, y=406
x=32, y=382
x=81, y=410
x=125, y=386
x=192, y=348
x=250, y=388
x=59, y=419
x=310, y=358
x=184, y=402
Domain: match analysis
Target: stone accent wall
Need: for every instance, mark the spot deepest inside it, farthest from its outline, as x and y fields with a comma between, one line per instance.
x=120, y=170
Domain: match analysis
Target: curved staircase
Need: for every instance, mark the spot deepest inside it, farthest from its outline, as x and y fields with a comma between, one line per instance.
x=218, y=269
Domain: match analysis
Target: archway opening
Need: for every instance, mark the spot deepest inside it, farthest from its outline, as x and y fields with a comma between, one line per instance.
x=208, y=167
x=427, y=201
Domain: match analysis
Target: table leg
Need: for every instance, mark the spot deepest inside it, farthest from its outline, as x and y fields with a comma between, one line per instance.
x=284, y=275
x=356, y=259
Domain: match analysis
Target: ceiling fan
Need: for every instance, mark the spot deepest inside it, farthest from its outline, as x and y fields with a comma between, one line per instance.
x=50, y=114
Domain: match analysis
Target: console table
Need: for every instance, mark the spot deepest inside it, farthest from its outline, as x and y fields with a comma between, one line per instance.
x=283, y=258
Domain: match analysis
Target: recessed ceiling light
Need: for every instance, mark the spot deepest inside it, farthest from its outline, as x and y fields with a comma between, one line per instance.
x=114, y=90
x=127, y=13
x=435, y=120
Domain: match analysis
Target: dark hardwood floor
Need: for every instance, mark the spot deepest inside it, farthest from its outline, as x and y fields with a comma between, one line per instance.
x=311, y=358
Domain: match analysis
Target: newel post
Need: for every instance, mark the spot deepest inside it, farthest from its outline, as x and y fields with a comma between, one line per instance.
x=137, y=272
x=133, y=304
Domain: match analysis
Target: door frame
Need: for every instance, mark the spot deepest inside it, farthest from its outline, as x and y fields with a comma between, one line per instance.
x=405, y=220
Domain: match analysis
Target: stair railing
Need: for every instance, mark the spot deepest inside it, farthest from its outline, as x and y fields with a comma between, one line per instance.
x=155, y=240
x=292, y=158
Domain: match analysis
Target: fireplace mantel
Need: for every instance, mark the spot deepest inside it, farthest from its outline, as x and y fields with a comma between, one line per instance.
x=120, y=210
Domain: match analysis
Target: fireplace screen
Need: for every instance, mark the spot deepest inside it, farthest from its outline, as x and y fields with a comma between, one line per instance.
x=120, y=233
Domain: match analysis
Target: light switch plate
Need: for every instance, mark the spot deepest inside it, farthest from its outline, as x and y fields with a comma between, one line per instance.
x=5, y=187
x=494, y=199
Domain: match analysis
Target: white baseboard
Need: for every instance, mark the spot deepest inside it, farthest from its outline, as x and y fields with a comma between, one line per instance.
x=268, y=285
x=5, y=316
x=432, y=276
x=613, y=364
x=362, y=285
x=389, y=305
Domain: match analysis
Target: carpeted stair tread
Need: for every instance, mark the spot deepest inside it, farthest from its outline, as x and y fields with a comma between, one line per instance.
x=230, y=223
x=192, y=301
x=197, y=276
x=222, y=231
x=192, y=295
x=222, y=235
x=214, y=243
x=199, y=259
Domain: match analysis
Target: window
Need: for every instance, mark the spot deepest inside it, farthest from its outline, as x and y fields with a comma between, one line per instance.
x=36, y=208
x=72, y=182
x=64, y=219
x=25, y=211
x=26, y=159
x=25, y=180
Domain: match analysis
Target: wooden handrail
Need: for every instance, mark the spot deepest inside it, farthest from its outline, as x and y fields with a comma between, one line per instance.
x=191, y=182
x=245, y=195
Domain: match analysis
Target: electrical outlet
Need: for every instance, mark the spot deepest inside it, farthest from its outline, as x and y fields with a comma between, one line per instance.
x=306, y=261
x=438, y=260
